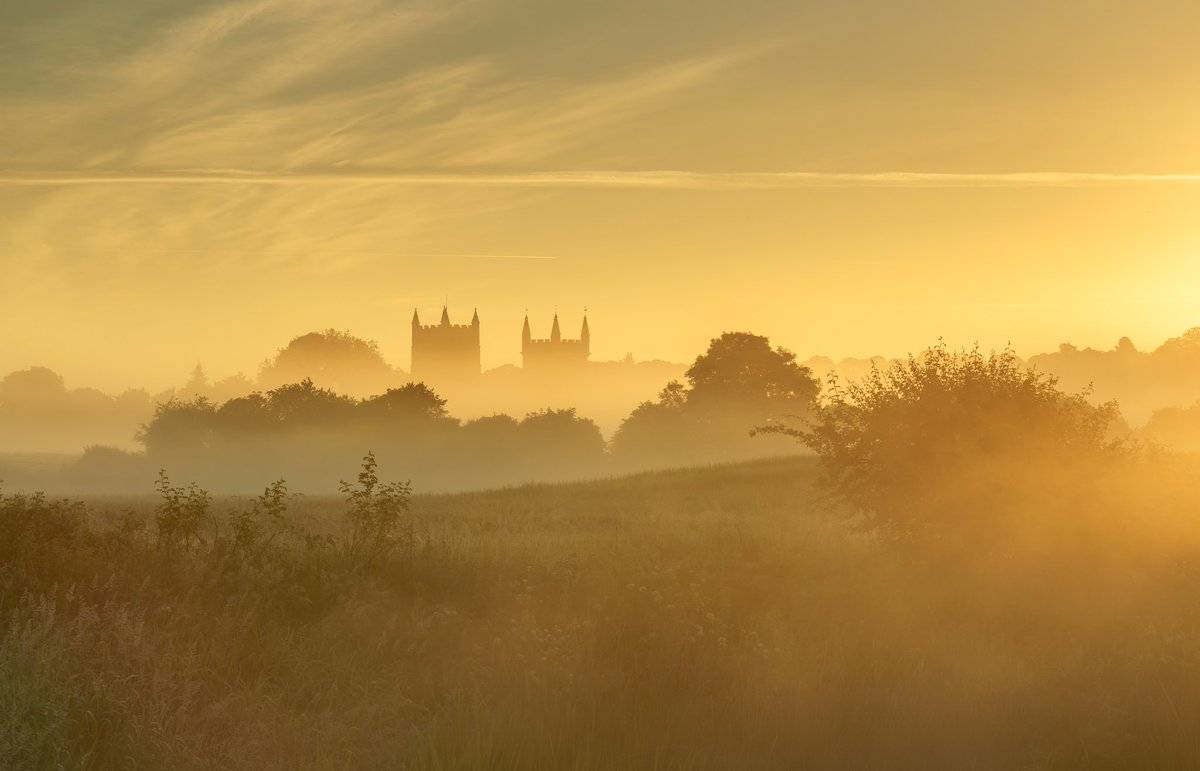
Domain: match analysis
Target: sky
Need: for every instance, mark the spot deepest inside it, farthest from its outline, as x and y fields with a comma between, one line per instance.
x=202, y=181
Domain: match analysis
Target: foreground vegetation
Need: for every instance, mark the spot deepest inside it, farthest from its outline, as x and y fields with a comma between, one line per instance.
x=710, y=618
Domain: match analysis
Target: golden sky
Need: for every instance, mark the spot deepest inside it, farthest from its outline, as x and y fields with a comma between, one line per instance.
x=203, y=181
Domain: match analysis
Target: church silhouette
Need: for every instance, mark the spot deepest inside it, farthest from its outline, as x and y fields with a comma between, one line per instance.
x=450, y=352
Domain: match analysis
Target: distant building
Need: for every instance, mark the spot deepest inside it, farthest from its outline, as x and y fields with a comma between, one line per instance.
x=555, y=354
x=445, y=352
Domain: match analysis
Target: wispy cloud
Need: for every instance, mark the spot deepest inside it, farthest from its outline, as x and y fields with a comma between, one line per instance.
x=660, y=179
x=304, y=84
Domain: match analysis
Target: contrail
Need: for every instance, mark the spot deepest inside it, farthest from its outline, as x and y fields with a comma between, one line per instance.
x=666, y=180
x=477, y=256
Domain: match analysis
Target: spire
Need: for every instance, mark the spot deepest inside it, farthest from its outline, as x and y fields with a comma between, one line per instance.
x=555, y=332
x=526, y=334
x=416, y=322
x=475, y=318
x=585, y=334
x=445, y=316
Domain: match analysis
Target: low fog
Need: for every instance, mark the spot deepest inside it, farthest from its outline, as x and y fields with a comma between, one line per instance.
x=459, y=433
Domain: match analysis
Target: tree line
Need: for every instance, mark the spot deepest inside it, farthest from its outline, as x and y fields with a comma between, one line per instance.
x=312, y=434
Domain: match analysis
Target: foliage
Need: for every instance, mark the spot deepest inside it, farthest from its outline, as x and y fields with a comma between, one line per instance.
x=295, y=570
x=179, y=427
x=561, y=440
x=38, y=538
x=303, y=404
x=300, y=428
x=491, y=430
x=740, y=382
x=1142, y=380
x=661, y=432
x=1175, y=427
x=741, y=370
x=375, y=514
x=180, y=514
x=246, y=416
x=672, y=620
x=412, y=401
x=920, y=430
x=38, y=413
x=31, y=388
x=253, y=531
x=333, y=358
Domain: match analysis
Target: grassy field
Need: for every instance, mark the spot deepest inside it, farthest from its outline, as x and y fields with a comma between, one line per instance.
x=709, y=618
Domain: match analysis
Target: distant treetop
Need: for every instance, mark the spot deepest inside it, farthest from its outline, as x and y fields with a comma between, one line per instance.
x=332, y=359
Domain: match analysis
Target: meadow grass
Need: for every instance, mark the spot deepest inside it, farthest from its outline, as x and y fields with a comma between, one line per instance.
x=718, y=617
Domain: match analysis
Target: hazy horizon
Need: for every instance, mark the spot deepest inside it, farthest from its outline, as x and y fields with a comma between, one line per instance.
x=397, y=352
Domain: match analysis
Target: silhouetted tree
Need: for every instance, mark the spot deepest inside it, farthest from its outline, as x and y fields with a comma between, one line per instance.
x=950, y=430
x=492, y=430
x=491, y=449
x=197, y=383
x=35, y=388
x=560, y=442
x=304, y=405
x=246, y=415
x=180, y=428
x=333, y=359
x=39, y=413
x=1175, y=427
x=411, y=402
x=740, y=382
x=742, y=372
x=108, y=469
x=1143, y=381
x=663, y=432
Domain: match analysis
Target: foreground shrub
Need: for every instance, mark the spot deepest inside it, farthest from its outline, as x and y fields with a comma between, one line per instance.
x=40, y=540
x=374, y=512
x=951, y=430
x=180, y=513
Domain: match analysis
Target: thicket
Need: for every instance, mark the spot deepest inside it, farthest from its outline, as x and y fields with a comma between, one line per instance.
x=945, y=439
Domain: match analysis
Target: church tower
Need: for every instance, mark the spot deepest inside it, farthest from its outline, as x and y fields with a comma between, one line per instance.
x=445, y=352
x=555, y=354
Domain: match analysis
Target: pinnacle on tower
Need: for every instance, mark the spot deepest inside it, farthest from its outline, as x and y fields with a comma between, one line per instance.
x=555, y=332
x=445, y=316
x=585, y=335
x=416, y=322
x=475, y=318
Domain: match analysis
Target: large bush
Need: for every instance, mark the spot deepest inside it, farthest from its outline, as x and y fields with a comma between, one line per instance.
x=954, y=431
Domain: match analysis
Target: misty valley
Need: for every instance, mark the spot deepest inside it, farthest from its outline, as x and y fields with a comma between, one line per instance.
x=439, y=385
